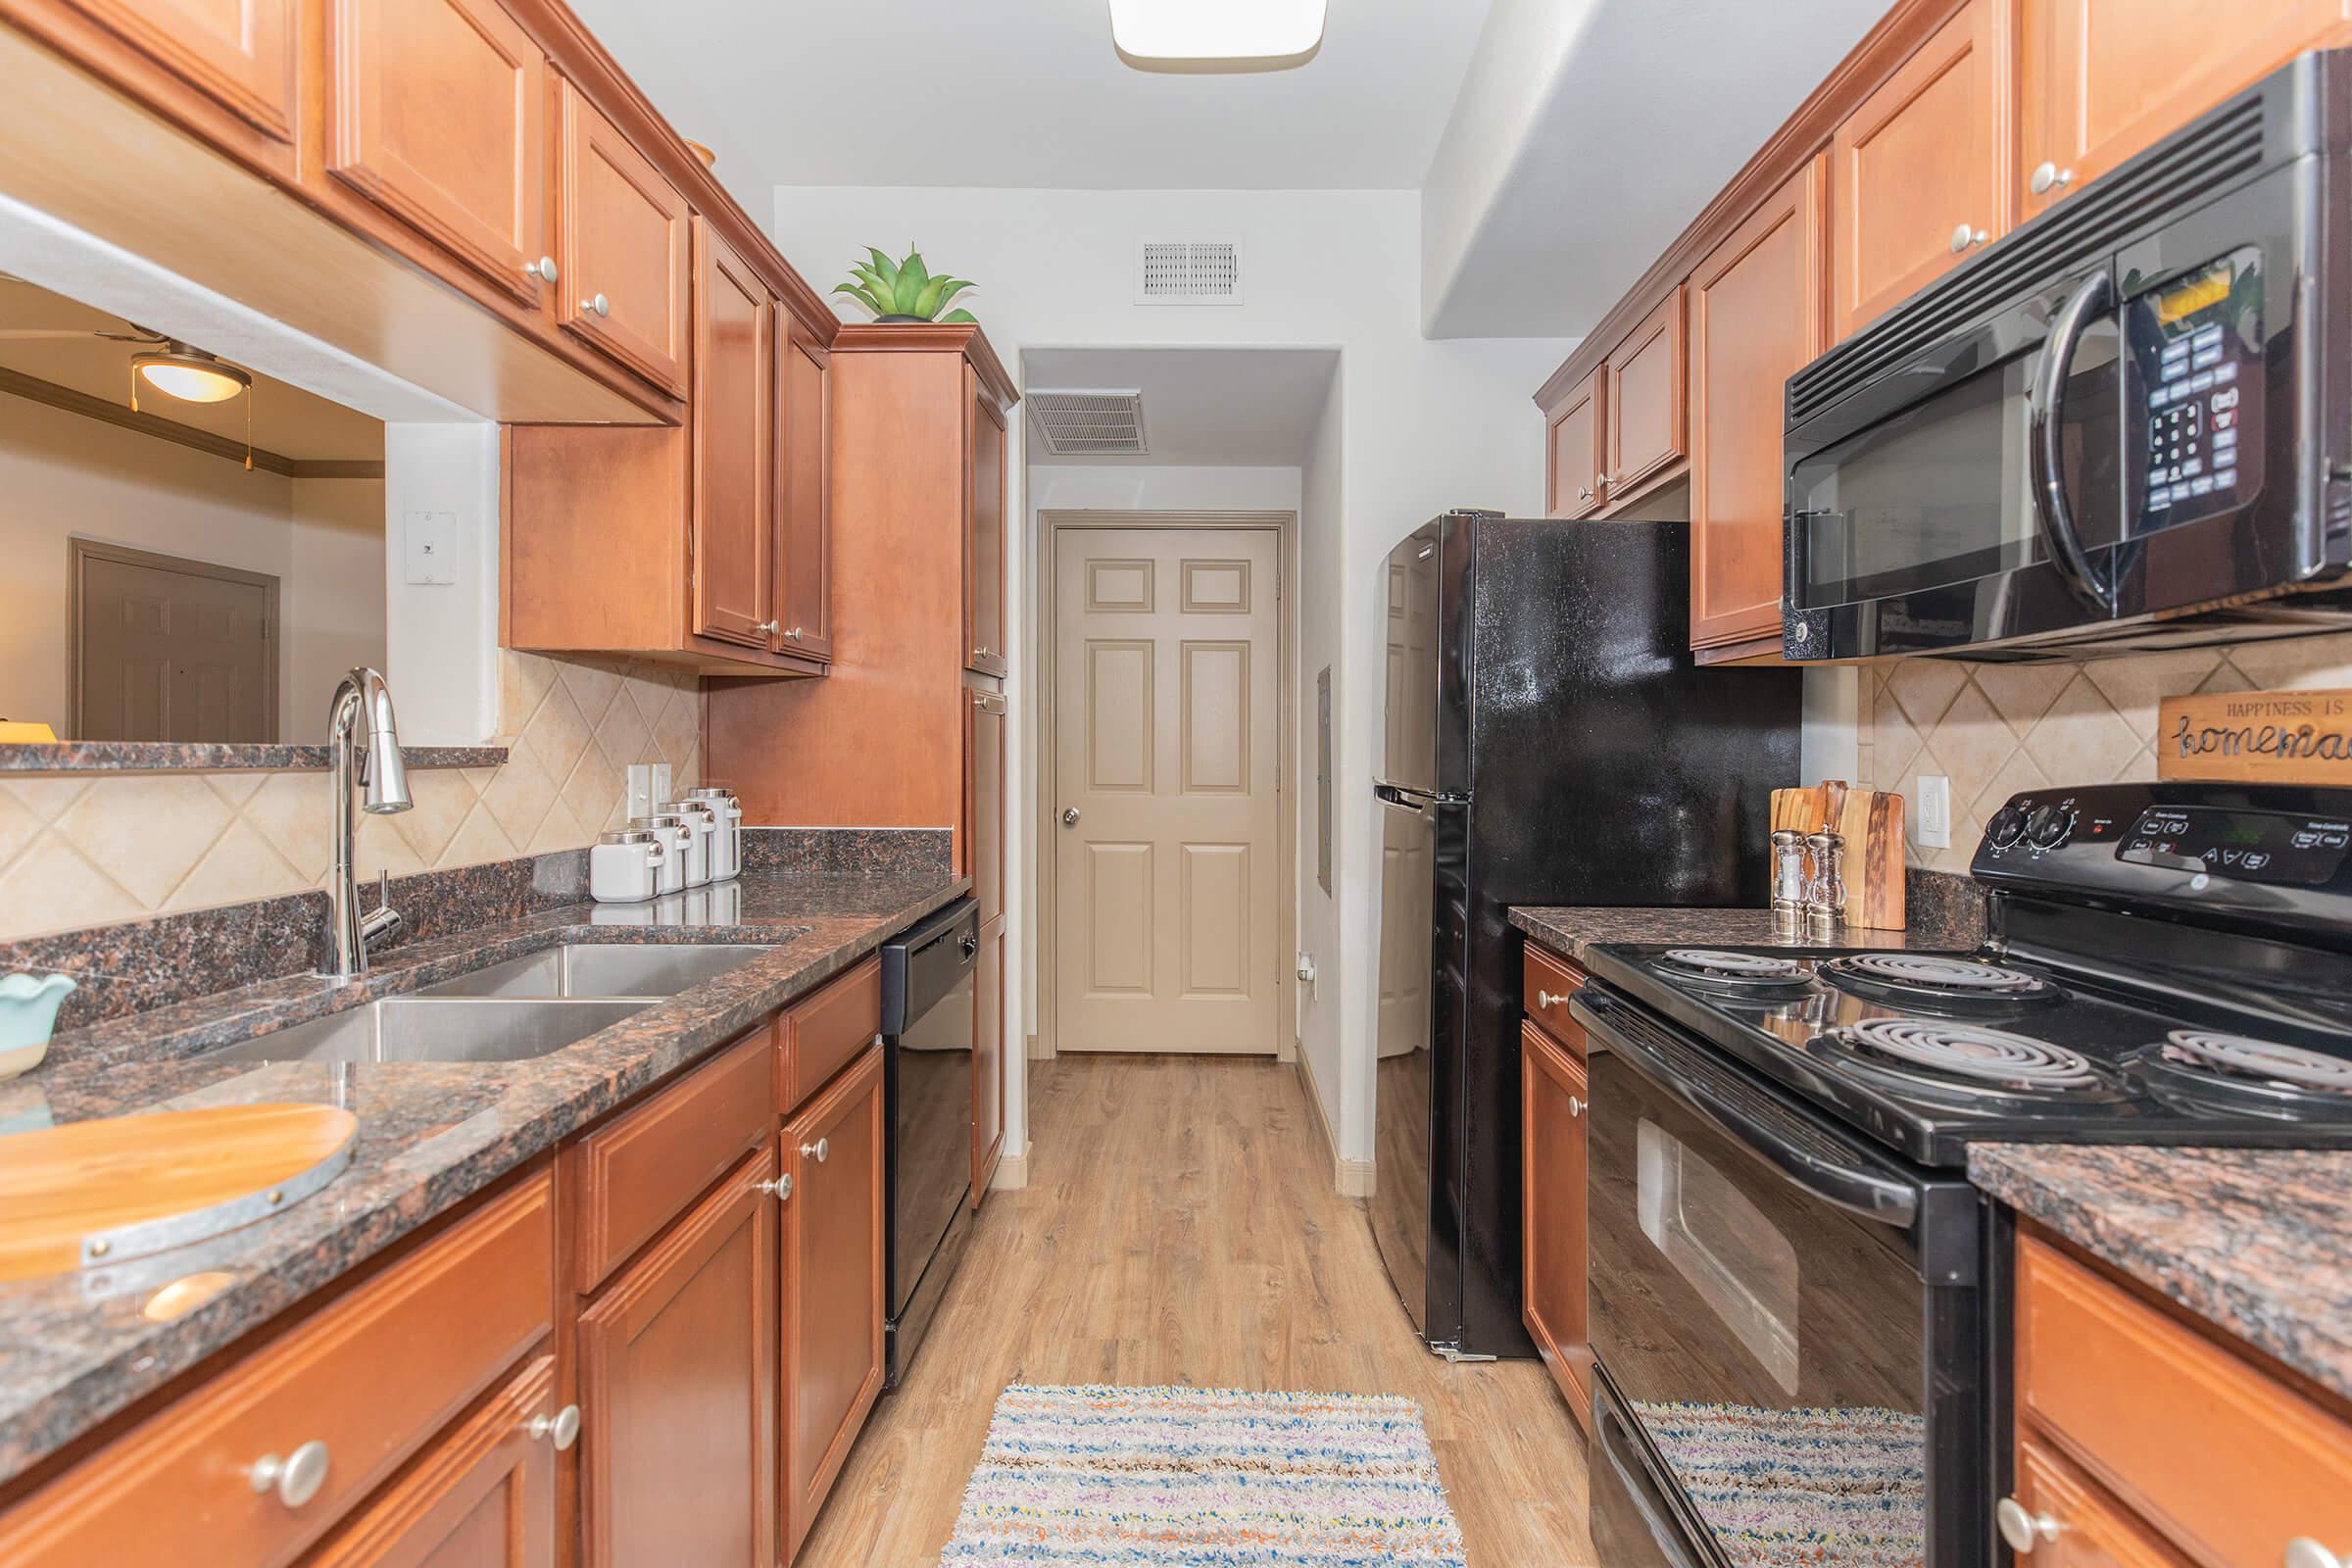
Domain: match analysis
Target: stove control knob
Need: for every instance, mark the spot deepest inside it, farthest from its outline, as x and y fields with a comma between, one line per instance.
x=2049, y=826
x=2007, y=826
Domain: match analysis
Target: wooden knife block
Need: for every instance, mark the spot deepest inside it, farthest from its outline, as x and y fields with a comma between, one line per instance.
x=1871, y=821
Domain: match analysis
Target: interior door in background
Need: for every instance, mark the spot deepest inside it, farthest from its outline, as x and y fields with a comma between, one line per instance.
x=171, y=650
x=1167, y=666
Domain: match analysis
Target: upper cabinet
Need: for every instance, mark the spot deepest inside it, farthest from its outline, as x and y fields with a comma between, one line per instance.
x=803, y=493
x=436, y=110
x=1571, y=486
x=623, y=255
x=2100, y=79
x=1919, y=172
x=242, y=54
x=984, y=440
x=733, y=492
x=1642, y=399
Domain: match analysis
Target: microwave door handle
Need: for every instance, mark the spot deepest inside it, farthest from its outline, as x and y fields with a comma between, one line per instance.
x=2046, y=442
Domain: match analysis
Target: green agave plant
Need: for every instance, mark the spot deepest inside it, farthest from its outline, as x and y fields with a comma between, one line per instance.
x=903, y=290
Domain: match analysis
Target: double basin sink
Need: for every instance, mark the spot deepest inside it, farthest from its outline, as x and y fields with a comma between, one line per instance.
x=510, y=1011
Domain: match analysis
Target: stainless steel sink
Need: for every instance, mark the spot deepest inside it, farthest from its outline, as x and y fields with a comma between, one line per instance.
x=602, y=969
x=438, y=1029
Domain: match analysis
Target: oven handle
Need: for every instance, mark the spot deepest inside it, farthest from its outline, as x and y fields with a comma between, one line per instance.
x=1780, y=1138
x=2046, y=442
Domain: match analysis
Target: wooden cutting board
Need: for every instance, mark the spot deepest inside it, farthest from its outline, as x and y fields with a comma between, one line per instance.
x=1871, y=821
x=98, y=1191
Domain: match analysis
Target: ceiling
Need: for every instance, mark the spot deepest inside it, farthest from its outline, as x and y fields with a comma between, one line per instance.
x=1226, y=407
x=286, y=420
x=1030, y=93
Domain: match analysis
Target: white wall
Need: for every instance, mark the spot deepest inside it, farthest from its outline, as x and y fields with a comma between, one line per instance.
x=1322, y=931
x=333, y=606
x=1150, y=487
x=1419, y=426
x=442, y=638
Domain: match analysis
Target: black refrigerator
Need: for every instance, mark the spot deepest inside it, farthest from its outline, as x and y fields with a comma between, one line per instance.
x=1549, y=741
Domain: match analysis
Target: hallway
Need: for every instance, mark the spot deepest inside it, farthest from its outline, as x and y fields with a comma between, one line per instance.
x=1180, y=1229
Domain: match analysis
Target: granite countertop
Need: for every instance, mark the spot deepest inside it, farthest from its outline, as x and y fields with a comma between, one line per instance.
x=77, y=1347
x=179, y=757
x=1947, y=914
x=2257, y=1242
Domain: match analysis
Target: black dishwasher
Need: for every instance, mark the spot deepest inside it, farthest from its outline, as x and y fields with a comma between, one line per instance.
x=928, y=1024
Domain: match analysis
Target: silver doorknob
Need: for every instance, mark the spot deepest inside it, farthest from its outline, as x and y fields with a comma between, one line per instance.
x=2023, y=1531
x=296, y=1478
x=1963, y=236
x=597, y=304
x=819, y=1149
x=779, y=1188
x=543, y=268
x=2305, y=1552
x=2048, y=177
x=1069, y=817
x=1575, y=1106
x=564, y=1427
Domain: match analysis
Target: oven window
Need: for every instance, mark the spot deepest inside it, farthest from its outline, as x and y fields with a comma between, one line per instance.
x=1724, y=1246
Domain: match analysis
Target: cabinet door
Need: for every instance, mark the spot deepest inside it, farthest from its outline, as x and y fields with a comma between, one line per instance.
x=2092, y=1532
x=2100, y=79
x=677, y=1369
x=622, y=248
x=1919, y=172
x=988, y=1059
x=1554, y=1128
x=436, y=111
x=984, y=800
x=734, y=487
x=1575, y=452
x=984, y=443
x=1641, y=395
x=241, y=53
x=803, y=493
x=1755, y=317
x=832, y=1286
x=483, y=1497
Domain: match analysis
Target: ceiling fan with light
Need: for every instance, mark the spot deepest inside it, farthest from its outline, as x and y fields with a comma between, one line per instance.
x=164, y=363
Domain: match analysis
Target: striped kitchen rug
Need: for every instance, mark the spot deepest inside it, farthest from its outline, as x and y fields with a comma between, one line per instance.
x=1094, y=1477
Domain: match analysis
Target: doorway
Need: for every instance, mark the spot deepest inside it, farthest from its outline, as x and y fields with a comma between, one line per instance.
x=1166, y=865
x=171, y=649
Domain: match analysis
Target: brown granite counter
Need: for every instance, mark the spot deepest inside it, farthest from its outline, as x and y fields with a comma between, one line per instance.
x=77, y=1347
x=2256, y=1242
x=1946, y=912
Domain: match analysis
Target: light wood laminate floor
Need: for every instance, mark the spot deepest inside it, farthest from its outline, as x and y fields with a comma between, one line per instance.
x=1180, y=1227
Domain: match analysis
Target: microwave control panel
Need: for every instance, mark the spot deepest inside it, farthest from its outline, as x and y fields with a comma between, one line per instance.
x=2196, y=354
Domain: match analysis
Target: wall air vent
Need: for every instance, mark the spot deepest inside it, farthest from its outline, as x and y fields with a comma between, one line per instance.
x=1175, y=271
x=1088, y=423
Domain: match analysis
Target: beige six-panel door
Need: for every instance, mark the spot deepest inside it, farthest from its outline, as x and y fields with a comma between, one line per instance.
x=1167, y=668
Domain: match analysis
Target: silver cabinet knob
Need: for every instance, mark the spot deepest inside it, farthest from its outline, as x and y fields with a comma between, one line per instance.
x=796, y=635
x=543, y=268
x=1963, y=236
x=2048, y=177
x=779, y=1188
x=2023, y=1531
x=1584, y=493
x=984, y=653
x=296, y=1479
x=768, y=627
x=2305, y=1552
x=1545, y=999
x=1069, y=817
x=819, y=1149
x=1575, y=1106
x=564, y=1427
x=598, y=305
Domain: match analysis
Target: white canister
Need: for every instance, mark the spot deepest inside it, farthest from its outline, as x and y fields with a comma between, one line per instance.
x=626, y=867
x=673, y=834
x=701, y=825
x=728, y=861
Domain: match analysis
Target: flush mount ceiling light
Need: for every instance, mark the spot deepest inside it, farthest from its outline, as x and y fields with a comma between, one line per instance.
x=188, y=375
x=1216, y=35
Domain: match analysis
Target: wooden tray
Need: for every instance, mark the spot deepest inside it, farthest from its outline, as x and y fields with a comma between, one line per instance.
x=98, y=1191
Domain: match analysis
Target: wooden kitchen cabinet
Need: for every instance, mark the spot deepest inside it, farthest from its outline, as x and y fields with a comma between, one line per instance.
x=804, y=595
x=832, y=1286
x=731, y=540
x=2100, y=79
x=1757, y=314
x=436, y=110
x=241, y=56
x=985, y=480
x=1642, y=403
x=1572, y=482
x=1554, y=1129
x=622, y=248
x=1919, y=173
x=678, y=1390
x=988, y=1059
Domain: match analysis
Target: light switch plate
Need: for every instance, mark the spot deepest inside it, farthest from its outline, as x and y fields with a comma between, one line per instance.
x=1934, y=819
x=429, y=547
x=641, y=789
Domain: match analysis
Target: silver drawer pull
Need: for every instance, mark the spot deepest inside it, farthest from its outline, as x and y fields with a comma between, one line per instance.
x=296, y=1479
x=2023, y=1531
x=564, y=1427
x=2305, y=1552
x=1545, y=999
x=819, y=1149
x=779, y=1188
x=597, y=305
x=543, y=268
x=1575, y=1106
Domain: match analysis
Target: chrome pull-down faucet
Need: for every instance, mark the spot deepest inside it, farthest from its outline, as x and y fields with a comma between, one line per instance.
x=374, y=767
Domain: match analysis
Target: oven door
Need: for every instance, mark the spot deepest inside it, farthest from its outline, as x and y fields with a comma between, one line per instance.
x=1785, y=1320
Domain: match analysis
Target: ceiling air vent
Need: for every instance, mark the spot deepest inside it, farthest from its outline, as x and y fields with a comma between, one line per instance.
x=1188, y=273
x=1089, y=423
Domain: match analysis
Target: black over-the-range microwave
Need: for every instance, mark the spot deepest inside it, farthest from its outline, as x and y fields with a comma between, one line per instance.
x=2126, y=425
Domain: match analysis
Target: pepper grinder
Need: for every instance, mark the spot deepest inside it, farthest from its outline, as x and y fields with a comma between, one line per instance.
x=1825, y=885
x=1788, y=884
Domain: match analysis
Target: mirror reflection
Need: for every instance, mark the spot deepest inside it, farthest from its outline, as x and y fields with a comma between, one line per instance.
x=190, y=550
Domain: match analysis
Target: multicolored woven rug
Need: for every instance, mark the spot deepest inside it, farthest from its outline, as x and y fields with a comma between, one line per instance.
x=1804, y=1488
x=1204, y=1478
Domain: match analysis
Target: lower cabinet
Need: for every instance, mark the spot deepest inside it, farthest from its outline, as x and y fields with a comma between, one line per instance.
x=1554, y=1124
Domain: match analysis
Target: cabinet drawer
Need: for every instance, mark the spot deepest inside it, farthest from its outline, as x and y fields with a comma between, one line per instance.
x=2091, y=1532
x=1549, y=981
x=2224, y=1460
x=640, y=1172
x=824, y=1033
x=369, y=1378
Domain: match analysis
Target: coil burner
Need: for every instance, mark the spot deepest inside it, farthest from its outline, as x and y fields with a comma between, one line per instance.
x=2218, y=1072
x=1932, y=980
x=1966, y=1055
x=1754, y=973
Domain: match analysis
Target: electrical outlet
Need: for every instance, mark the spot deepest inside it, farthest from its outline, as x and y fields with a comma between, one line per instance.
x=1932, y=822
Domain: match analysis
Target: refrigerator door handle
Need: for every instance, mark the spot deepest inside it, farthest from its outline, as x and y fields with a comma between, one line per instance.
x=1414, y=799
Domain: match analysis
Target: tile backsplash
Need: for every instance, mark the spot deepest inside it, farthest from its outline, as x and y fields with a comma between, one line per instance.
x=1995, y=729
x=80, y=851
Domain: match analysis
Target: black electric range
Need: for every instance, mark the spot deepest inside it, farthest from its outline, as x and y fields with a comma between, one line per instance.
x=1792, y=1313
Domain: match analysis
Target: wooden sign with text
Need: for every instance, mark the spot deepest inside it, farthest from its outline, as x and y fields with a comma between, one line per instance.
x=2257, y=737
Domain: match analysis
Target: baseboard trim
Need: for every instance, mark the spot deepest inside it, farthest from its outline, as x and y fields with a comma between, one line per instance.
x=1013, y=1171
x=1350, y=1178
